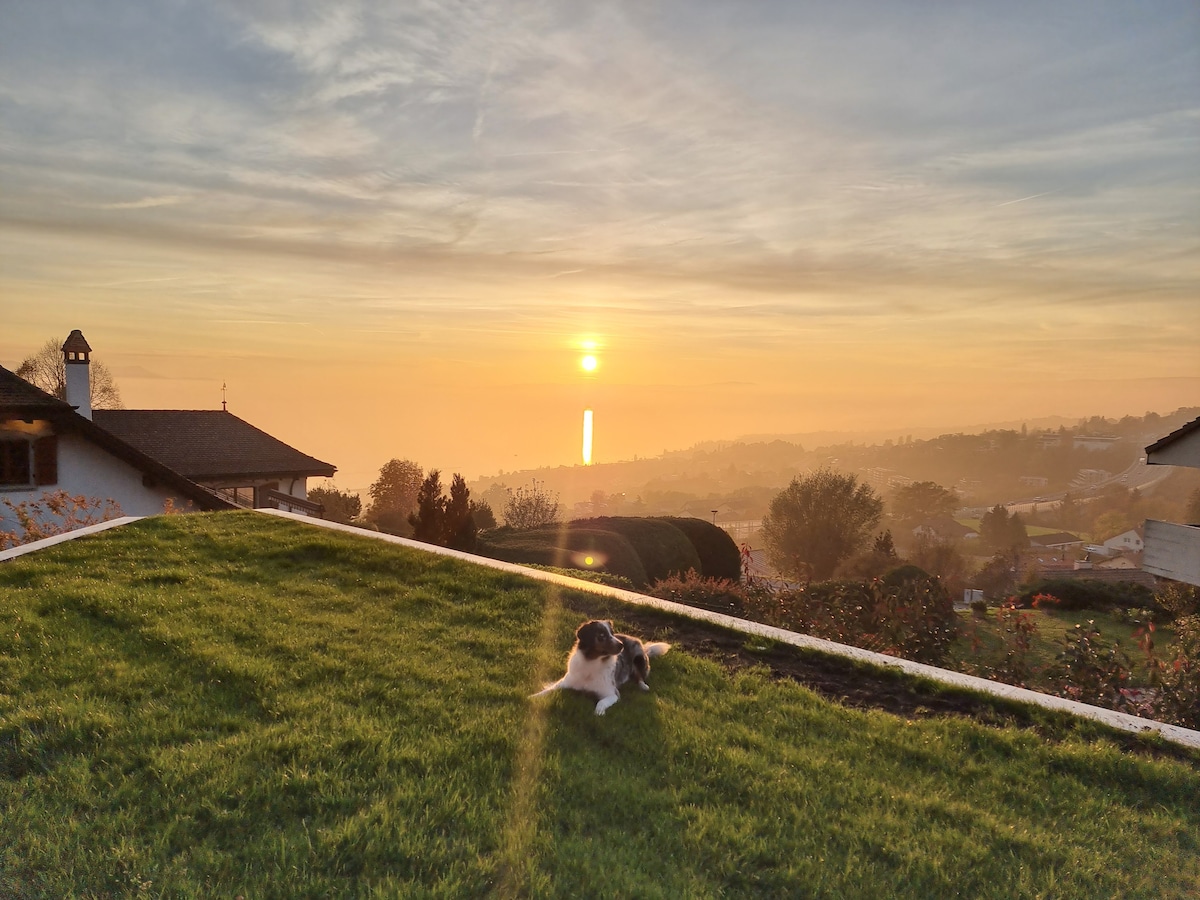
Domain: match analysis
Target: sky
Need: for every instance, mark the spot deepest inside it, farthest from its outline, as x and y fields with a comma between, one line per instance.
x=393, y=229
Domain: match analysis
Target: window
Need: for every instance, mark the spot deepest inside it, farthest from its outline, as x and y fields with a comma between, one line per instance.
x=25, y=462
x=15, y=463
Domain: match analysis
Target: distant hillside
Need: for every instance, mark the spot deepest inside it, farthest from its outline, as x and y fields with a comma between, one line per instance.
x=739, y=477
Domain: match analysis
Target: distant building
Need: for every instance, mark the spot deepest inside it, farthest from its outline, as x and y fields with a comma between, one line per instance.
x=944, y=528
x=1059, y=540
x=1094, y=441
x=1126, y=542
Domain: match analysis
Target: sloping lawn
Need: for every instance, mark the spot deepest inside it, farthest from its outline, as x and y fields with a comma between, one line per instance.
x=229, y=704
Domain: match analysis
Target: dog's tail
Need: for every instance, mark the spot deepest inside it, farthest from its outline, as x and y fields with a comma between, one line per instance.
x=658, y=648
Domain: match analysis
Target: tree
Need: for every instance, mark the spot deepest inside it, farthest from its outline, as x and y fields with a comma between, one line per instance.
x=340, y=506
x=394, y=495
x=923, y=501
x=47, y=369
x=482, y=515
x=884, y=546
x=459, y=530
x=531, y=507
x=444, y=521
x=818, y=521
x=429, y=521
x=1001, y=532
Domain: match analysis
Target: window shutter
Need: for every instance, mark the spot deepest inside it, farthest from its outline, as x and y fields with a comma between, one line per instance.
x=45, y=460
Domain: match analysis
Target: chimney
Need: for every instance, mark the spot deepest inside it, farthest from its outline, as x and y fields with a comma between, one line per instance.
x=79, y=382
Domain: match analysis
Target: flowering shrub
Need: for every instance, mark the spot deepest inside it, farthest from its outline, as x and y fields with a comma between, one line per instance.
x=717, y=594
x=1018, y=629
x=912, y=617
x=1090, y=671
x=1174, y=696
x=55, y=512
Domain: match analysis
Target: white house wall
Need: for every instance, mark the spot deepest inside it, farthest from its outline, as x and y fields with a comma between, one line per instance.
x=1182, y=452
x=83, y=468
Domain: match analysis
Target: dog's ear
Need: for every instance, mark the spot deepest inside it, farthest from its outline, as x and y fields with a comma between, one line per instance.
x=587, y=628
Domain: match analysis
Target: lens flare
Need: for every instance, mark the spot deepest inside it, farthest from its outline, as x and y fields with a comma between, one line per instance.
x=587, y=437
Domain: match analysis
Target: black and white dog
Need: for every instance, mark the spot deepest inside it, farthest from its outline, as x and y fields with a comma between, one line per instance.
x=600, y=662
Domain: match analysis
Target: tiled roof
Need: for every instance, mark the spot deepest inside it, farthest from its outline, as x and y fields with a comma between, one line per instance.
x=1057, y=539
x=208, y=444
x=76, y=342
x=16, y=392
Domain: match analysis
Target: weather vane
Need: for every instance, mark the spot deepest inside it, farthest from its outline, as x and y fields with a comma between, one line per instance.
x=223, y=409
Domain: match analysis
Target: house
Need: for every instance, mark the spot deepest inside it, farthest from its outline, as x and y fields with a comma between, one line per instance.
x=944, y=528
x=215, y=448
x=1059, y=540
x=1173, y=550
x=195, y=459
x=1094, y=441
x=1126, y=542
x=46, y=446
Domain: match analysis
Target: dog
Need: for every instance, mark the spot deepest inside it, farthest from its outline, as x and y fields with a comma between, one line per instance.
x=600, y=662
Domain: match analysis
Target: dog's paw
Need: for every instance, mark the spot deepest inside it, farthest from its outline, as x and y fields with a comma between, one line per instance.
x=645, y=687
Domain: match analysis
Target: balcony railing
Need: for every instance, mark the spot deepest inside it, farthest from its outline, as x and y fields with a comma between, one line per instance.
x=288, y=503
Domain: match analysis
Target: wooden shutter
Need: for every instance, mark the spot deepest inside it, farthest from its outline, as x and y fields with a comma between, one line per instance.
x=45, y=460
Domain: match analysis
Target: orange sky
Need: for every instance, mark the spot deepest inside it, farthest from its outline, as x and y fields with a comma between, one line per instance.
x=392, y=236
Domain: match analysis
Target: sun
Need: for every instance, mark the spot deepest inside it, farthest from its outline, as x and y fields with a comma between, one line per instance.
x=589, y=363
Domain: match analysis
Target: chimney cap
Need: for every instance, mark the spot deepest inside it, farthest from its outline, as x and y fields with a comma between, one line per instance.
x=76, y=343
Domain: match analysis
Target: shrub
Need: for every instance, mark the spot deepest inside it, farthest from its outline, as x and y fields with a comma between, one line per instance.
x=913, y=618
x=719, y=555
x=1089, y=670
x=723, y=595
x=1017, y=629
x=531, y=507
x=1083, y=593
x=663, y=549
x=1176, y=679
x=55, y=512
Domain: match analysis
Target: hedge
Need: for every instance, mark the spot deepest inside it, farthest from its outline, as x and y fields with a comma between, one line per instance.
x=664, y=549
x=567, y=548
x=719, y=555
x=1083, y=593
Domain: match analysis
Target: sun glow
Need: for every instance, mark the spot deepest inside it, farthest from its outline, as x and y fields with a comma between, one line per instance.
x=587, y=437
x=589, y=363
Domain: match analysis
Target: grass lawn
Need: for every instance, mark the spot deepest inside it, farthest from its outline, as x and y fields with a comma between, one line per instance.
x=230, y=704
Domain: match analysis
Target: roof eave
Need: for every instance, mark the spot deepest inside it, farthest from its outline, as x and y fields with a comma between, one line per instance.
x=1164, y=442
x=148, y=465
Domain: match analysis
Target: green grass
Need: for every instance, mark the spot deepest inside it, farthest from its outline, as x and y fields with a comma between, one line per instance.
x=228, y=704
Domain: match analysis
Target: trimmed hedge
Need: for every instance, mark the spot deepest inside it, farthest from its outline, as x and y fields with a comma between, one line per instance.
x=566, y=548
x=1082, y=593
x=719, y=554
x=664, y=549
